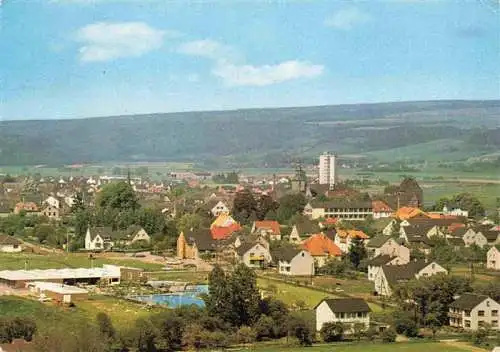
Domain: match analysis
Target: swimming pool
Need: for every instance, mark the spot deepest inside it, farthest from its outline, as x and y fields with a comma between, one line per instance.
x=175, y=300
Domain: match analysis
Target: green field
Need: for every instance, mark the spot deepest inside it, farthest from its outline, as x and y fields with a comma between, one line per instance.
x=372, y=347
x=16, y=261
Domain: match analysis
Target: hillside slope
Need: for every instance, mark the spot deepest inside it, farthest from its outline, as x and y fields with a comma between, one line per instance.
x=271, y=136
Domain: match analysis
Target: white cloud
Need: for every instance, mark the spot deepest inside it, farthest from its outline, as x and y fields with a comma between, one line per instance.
x=208, y=48
x=248, y=75
x=106, y=41
x=347, y=18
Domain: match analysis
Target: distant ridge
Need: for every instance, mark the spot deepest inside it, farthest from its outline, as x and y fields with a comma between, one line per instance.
x=255, y=137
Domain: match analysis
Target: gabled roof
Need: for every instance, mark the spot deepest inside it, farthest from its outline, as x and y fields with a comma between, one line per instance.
x=378, y=241
x=347, y=305
x=246, y=246
x=397, y=273
x=320, y=245
x=306, y=227
x=459, y=231
x=491, y=235
x=456, y=241
x=6, y=240
x=286, y=254
x=202, y=238
x=380, y=260
x=352, y=234
x=341, y=203
x=405, y=213
x=103, y=231
x=272, y=225
x=224, y=232
x=468, y=301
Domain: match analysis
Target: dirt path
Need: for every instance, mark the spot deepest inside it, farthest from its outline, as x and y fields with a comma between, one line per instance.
x=462, y=345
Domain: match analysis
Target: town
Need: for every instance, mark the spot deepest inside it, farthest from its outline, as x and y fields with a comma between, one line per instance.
x=307, y=257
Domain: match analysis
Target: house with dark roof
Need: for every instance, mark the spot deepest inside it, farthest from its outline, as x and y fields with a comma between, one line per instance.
x=9, y=244
x=302, y=230
x=471, y=312
x=348, y=311
x=99, y=238
x=376, y=264
x=391, y=275
x=492, y=258
x=253, y=255
x=193, y=243
x=384, y=245
x=294, y=262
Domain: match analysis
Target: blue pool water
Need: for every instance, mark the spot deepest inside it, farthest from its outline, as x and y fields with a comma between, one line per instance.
x=175, y=300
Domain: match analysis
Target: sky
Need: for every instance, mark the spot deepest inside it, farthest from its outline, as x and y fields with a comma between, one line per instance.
x=85, y=58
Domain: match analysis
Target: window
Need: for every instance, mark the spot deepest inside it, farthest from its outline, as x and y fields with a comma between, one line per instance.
x=467, y=313
x=494, y=313
x=494, y=322
x=480, y=313
x=467, y=323
x=480, y=324
x=360, y=315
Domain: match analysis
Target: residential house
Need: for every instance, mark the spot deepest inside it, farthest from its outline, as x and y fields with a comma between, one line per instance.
x=53, y=202
x=9, y=244
x=321, y=248
x=391, y=228
x=391, y=275
x=302, y=230
x=428, y=230
x=98, y=238
x=344, y=238
x=28, y=207
x=471, y=312
x=381, y=209
x=51, y=212
x=339, y=209
x=493, y=258
x=224, y=226
x=383, y=245
x=193, y=244
x=268, y=228
x=406, y=213
x=135, y=234
x=5, y=208
x=219, y=208
x=348, y=311
x=475, y=236
x=294, y=262
x=376, y=264
x=253, y=255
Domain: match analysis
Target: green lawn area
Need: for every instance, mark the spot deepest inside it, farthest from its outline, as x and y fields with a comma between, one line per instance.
x=199, y=277
x=123, y=313
x=16, y=261
x=370, y=347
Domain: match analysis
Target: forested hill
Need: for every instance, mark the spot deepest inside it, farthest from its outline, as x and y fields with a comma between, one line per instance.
x=257, y=136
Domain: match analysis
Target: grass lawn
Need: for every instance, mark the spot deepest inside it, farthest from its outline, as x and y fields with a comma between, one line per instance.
x=371, y=347
x=123, y=313
x=16, y=261
x=291, y=294
x=195, y=277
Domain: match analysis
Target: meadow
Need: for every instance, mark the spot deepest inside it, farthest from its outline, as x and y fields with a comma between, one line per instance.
x=66, y=260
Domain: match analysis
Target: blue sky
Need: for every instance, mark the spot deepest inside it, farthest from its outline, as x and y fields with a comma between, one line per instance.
x=83, y=58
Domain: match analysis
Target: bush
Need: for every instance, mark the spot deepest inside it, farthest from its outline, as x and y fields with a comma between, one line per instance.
x=264, y=327
x=299, y=328
x=371, y=334
x=388, y=336
x=406, y=326
x=246, y=335
x=331, y=332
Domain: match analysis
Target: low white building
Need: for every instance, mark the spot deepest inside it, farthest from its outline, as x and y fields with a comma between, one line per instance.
x=9, y=244
x=348, y=311
x=295, y=262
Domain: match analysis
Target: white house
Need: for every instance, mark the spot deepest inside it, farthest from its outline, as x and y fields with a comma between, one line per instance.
x=455, y=211
x=295, y=262
x=471, y=312
x=9, y=244
x=98, y=238
x=53, y=202
x=391, y=275
x=493, y=258
x=348, y=311
x=253, y=255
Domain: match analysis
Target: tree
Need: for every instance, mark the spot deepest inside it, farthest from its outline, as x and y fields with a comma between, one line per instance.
x=331, y=331
x=433, y=323
x=357, y=251
x=218, y=298
x=388, y=336
x=245, y=334
x=244, y=296
x=405, y=324
x=144, y=335
x=290, y=205
x=78, y=204
x=266, y=206
x=244, y=206
x=105, y=326
x=298, y=327
x=119, y=196
x=169, y=330
x=189, y=222
x=264, y=328
x=464, y=201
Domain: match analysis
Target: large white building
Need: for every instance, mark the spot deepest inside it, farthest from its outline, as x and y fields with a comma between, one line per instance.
x=327, y=169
